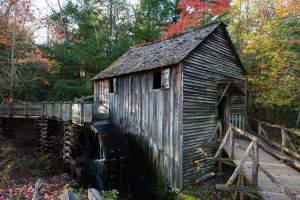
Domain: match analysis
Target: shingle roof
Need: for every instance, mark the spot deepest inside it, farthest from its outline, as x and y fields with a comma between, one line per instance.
x=157, y=55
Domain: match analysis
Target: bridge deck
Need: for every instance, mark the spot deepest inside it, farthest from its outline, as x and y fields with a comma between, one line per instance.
x=286, y=175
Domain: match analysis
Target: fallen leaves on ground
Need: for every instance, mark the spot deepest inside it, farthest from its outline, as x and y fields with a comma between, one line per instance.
x=51, y=189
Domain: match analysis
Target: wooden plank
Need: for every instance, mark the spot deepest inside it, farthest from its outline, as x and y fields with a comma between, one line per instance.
x=284, y=174
x=165, y=78
x=239, y=166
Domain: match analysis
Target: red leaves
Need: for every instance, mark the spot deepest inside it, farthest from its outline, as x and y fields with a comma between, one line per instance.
x=194, y=13
x=51, y=189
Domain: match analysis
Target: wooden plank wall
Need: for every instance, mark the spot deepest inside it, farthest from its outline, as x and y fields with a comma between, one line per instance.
x=151, y=117
x=212, y=60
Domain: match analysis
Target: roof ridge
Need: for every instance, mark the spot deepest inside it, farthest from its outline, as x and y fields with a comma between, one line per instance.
x=174, y=36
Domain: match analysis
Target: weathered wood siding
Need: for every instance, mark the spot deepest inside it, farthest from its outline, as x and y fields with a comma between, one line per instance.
x=211, y=60
x=152, y=116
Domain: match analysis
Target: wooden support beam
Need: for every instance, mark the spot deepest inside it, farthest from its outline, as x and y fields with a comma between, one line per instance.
x=222, y=144
x=231, y=144
x=283, y=141
x=236, y=193
x=239, y=166
x=254, y=177
x=223, y=94
x=291, y=143
x=212, y=136
x=242, y=189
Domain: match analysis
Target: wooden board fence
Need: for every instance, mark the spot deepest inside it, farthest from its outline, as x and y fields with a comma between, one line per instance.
x=76, y=112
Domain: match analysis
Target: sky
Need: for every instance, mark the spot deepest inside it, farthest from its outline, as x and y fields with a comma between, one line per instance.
x=44, y=10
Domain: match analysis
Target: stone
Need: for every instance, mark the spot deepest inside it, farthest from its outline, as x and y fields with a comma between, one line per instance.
x=67, y=195
x=38, y=186
x=94, y=194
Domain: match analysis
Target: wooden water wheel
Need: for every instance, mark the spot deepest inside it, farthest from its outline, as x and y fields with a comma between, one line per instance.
x=100, y=157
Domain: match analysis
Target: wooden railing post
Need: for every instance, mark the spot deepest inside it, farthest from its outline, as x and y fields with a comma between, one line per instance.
x=283, y=132
x=221, y=137
x=259, y=128
x=254, y=178
x=231, y=144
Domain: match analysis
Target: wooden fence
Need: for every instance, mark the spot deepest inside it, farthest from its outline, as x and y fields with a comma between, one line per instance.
x=76, y=112
x=256, y=140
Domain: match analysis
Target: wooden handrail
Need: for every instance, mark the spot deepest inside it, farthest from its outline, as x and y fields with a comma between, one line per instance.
x=277, y=126
x=284, y=138
x=255, y=141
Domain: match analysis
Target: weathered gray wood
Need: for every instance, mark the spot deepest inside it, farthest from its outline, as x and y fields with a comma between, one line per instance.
x=236, y=193
x=283, y=173
x=283, y=141
x=287, y=137
x=165, y=79
x=282, y=187
x=254, y=177
x=222, y=144
x=259, y=129
x=272, y=151
x=239, y=166
x=231, y=144
x=297, y=155
x=241, y=189
x=277, y=126
x=88, y=113
x=213, y=134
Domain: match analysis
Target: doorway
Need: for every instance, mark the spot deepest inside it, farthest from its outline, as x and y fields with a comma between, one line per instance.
x=223, y=112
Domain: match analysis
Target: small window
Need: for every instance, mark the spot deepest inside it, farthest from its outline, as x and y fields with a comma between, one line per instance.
x=157, y=80
x=112, y=88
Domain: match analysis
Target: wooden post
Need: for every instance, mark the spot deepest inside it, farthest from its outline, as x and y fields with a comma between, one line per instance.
x=259, y=129
x=26, y=110
x=290, y=142
x=231, y=144
x=254, y=178
x=221, y=137
x=283, y=141
x=243, y=183
x=239, y=166
x=236, y=193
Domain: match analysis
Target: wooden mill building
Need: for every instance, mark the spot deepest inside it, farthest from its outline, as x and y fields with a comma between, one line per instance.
x=168, y=96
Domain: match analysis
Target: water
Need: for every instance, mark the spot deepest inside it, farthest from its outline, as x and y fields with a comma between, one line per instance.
x=97, y=173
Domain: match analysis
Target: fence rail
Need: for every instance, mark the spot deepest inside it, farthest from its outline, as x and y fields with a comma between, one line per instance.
x=256, y=141
x=76, y=112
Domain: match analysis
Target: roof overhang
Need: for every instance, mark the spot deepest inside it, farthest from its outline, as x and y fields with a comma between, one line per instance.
x=227, y=87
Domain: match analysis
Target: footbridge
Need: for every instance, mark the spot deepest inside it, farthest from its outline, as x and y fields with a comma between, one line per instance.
x=265, y=159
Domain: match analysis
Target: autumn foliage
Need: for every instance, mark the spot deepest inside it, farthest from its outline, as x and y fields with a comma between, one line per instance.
x=195, y=13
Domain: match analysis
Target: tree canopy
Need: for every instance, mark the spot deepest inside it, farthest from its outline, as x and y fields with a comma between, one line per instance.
x=86, y=36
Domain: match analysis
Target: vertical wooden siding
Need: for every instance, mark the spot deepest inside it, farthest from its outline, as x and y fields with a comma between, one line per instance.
x=149, y=115
x=212, y=60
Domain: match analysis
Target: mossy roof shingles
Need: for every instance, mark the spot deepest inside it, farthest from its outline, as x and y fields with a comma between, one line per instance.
x=165, y=53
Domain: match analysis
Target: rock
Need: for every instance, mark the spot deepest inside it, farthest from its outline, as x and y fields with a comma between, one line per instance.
x=67, y=195
x=38, y=187
x=94, y=194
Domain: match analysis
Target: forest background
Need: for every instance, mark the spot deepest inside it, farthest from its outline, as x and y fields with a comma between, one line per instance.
x=86, y=36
